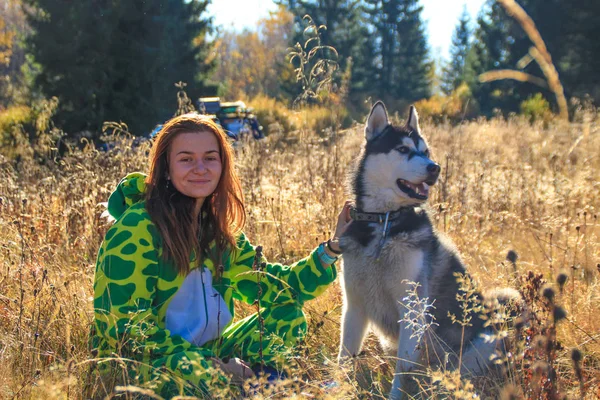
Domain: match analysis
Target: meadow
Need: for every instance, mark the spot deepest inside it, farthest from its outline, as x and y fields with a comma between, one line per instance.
x=519, y=199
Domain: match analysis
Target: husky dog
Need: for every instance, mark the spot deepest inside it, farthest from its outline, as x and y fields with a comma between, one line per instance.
x=390, y=243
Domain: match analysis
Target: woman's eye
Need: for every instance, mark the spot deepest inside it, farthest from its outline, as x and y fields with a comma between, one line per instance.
x=186, y=159
x=403, y=149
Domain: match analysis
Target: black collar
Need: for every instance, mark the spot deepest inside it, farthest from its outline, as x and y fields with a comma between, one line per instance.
x=357, y=215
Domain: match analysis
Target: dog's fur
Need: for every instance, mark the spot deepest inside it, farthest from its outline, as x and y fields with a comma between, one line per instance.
x=393, y=173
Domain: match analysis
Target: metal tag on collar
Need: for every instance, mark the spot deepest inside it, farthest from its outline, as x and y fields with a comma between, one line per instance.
x=383, y=234
x=353, y=213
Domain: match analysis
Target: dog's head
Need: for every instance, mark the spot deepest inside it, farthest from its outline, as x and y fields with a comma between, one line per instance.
x=396, y=169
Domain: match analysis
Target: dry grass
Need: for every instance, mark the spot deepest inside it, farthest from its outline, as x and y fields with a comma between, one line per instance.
x=505, y=185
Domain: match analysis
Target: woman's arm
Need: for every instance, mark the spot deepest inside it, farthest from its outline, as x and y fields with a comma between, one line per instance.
x=301, y=281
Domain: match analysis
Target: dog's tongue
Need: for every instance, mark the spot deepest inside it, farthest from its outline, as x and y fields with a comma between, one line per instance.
x=422, y=189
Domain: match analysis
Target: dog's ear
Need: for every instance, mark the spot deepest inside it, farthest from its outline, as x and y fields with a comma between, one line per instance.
x=377, y=121
x=413, y=120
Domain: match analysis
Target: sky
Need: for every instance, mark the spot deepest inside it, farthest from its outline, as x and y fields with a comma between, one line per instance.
x=440, y=16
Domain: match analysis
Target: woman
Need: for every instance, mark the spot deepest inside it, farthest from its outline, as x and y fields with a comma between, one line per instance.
x=172, y=264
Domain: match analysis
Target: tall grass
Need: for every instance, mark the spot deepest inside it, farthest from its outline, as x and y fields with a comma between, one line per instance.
x=505, y=185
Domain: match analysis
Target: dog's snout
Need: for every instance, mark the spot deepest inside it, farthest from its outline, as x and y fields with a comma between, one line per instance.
x=433, y=169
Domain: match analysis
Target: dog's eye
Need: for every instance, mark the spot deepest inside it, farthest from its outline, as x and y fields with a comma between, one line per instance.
x=403, y=149
x=426, y=152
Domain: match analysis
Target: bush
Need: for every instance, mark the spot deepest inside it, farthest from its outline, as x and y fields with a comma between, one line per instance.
x=275, y=116
x=15, y=122
x=536, y=108
x=29, y=131
x=13, y=116
x=452, y=107
x=320, y=118
x=272, y=115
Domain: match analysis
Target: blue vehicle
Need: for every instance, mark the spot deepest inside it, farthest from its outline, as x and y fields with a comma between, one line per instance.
x=158, y=127
x=237, y=120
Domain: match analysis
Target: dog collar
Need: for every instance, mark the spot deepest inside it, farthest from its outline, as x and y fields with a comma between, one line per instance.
x=382, y=218
x=376, y=217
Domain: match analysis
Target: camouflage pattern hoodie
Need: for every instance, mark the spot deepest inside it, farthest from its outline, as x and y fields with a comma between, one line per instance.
x=133, y=285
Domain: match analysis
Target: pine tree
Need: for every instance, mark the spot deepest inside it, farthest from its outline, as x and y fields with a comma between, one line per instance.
x=110, y=60
x=574, y=44
x=384, y=16
x=413, y=64
x=490, y=50
x=454, y=73
x=545, y=15
x=566, y=28
x=403, y=68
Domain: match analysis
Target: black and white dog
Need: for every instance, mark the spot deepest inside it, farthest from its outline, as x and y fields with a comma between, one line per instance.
x=391, y=243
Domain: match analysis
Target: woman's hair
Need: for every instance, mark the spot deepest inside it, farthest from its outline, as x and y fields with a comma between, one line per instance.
x=223, y=214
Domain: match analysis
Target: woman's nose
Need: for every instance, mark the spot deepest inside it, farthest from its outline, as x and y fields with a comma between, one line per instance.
x=200, y=167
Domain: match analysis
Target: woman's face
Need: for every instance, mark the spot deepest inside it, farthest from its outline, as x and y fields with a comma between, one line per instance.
x=195, y=164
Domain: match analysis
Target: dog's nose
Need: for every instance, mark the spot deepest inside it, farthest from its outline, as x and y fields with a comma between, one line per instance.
x=433, y=169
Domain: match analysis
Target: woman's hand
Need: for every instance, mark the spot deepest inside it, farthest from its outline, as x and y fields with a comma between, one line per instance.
x=236, y=368
x=343, y=222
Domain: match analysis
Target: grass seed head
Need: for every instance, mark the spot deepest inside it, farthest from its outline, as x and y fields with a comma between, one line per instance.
x=511, y=392
x=576, y=355
x=561, y=279
x=559, y=314
x=512, y=256
x=549, y=293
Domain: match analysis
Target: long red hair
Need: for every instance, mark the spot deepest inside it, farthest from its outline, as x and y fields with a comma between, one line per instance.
x=223, y=213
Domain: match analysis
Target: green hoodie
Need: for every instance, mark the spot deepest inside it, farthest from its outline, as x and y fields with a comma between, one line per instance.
x=133, y=286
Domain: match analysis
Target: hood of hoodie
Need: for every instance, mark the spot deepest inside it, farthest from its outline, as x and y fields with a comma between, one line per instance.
x=129, y=191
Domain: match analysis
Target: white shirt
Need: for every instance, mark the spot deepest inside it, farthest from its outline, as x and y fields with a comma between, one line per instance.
x=197, y=312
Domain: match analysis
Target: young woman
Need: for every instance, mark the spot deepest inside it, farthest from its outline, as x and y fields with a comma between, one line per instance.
x=172, y=264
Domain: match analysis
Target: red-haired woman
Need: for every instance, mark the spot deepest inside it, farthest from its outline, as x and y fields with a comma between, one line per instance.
x=172, y=264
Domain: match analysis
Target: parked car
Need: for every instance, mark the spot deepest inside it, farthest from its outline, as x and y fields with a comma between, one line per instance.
x=237, y=120
x=158, y=127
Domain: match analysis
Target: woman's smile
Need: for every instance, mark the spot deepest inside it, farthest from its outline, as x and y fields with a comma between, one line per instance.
x=199, y=181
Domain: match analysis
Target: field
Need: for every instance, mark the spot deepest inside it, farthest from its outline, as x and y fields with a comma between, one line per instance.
x=506, y=185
